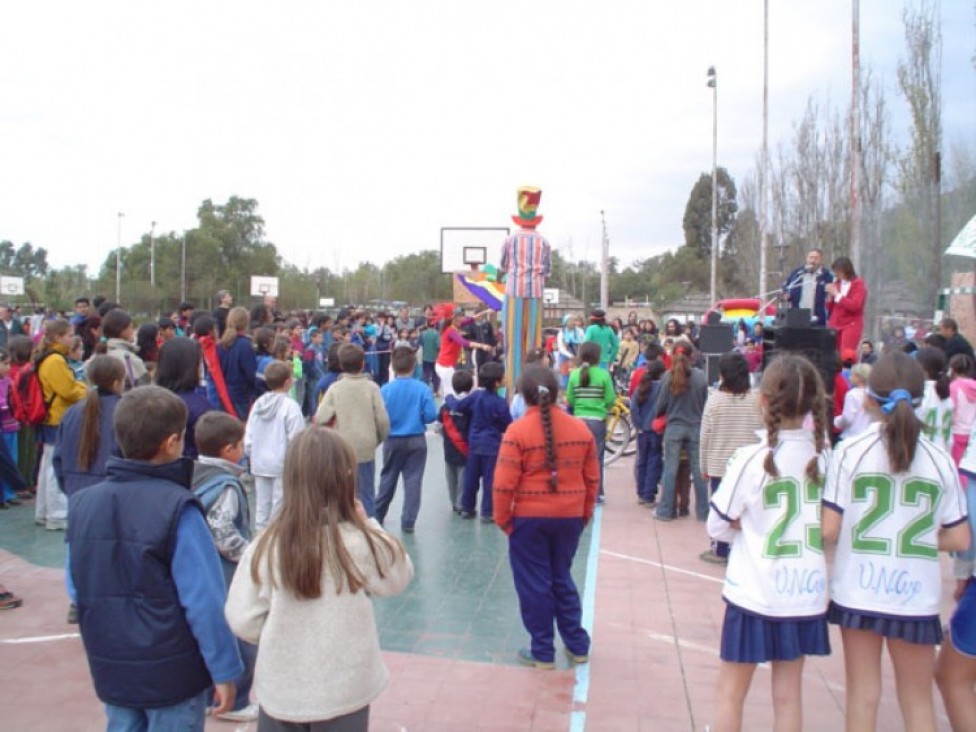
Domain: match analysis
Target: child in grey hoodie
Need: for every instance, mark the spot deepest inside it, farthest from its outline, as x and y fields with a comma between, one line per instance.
x=275, y=420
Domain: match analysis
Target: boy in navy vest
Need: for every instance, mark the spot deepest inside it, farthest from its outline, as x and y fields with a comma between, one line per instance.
x=149, y=588
x=217, y=483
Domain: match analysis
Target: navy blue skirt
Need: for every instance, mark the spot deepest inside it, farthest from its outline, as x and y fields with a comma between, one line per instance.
x=924, y=631
x=750, y=638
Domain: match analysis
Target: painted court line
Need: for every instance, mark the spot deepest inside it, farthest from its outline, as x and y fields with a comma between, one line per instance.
x=581, y=691
x=40, y=638
x=666, y=567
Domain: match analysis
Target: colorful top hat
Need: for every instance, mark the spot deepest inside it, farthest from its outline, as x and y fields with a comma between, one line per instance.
x=528, y=203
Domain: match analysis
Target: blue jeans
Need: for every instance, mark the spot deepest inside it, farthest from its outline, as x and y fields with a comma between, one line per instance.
x=406, y=456
x=478, y=469
x=185, y=716
x=970, y=554
x=366, y=486
x=676, y=436
x=598, y=428
x=649, y=464
x=541, y=552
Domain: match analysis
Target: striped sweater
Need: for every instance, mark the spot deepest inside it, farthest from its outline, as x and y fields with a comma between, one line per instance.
x=593, y=400
x=729, y=421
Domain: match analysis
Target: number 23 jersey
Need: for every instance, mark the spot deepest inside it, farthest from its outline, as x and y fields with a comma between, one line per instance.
x=776, y=566
x=887, y=560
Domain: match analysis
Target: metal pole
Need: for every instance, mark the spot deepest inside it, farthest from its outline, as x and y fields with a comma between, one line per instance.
x=183, y=271
x=713, y=83
x=855, y=247
x=605, y=267
x=764, y=157
x=152, y=255
x=118, y=262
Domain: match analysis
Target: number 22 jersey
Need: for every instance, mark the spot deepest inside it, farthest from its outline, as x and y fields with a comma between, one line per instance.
x=887, y=560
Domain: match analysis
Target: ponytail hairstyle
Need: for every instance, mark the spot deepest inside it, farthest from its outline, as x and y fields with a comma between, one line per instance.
x=680, y=371
x=539, y=388
x=490, y=375
x=53, y=329
x=237, y=321
x=654, y=371
x=105, y=374
x=589, y=355
x=933, y=363
x=791, y=387
x=895, y=389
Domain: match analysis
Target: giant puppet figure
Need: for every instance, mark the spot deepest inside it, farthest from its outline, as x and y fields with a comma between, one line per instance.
x=525, y=259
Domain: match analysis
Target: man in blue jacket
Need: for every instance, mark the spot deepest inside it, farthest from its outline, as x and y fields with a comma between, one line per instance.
x=149, y=587
x=804, y=288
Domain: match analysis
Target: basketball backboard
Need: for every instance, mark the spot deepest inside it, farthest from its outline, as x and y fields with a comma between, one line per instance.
x=467, y=247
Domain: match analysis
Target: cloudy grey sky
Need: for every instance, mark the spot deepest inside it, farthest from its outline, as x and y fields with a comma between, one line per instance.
x=364, y=127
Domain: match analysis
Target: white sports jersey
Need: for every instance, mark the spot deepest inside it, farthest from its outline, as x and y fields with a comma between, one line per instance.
x=936, y=415
x=776, y=567
x=887, y=560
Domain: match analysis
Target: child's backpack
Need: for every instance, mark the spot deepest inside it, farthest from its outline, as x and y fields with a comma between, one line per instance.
x=455, y=435
x=27, y=400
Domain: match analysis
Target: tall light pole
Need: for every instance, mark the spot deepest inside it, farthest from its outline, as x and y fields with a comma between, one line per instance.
x=183, y=271
x=764, y=161
x=605, y=266
x=152, y=255
x=713, y=85
x=118, y=262
x=855, y=247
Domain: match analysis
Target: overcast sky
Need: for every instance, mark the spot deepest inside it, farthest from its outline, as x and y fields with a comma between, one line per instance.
x=364, y=127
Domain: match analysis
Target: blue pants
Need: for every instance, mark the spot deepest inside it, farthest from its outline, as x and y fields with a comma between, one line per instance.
x=676, y=436
x=478, y=469
x=185, y=716
x=541, y=551
x=598, y=428
x=405, y=456
x=431, y=377
x=366, y=486
x=9, y=490
x=970, y=554
x=650, y=464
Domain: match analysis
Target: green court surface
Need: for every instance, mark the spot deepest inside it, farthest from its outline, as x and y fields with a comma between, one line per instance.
x=460, y=605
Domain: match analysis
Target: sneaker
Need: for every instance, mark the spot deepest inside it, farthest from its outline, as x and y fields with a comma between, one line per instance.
x=406, y=529
x=56, y=525
x=662, y=517
x=247, y=714
x=72, y=614
x=468, y=514
x=712, y=558
x=526, y=658
x=8, y=601
x=601, y=499
x=487, y=520
x=576, y=659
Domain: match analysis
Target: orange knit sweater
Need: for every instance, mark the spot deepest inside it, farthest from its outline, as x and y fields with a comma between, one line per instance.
x=521, y=484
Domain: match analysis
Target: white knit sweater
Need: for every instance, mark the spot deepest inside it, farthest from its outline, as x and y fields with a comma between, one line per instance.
x=317, y=659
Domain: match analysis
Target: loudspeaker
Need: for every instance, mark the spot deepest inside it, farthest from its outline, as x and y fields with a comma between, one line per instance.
x=711, y=366
x=819, y=345
x=715, y=338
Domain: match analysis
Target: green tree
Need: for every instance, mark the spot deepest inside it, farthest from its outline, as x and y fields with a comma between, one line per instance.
x=697, y=222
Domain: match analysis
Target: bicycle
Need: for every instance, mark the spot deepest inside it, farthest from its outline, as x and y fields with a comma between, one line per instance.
x=621, y=436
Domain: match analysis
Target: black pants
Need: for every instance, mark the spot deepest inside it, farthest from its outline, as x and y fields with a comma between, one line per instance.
x=357, y=721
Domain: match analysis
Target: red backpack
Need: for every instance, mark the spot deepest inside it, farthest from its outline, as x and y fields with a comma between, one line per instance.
x=27, y=402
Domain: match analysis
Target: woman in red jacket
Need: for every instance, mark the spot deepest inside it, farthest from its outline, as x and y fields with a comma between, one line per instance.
x=545, y=486
x=846, y=297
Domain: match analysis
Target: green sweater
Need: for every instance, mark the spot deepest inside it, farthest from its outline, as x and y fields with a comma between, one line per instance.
x=606, y=338
x=594, y=400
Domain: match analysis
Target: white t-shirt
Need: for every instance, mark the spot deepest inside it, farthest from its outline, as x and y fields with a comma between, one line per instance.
x=776, y=567
x=936, y=415
x=887, y=560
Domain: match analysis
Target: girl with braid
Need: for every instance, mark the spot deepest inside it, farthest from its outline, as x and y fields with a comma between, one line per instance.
x=892, y=502
x=768, y=508
x=545, y=488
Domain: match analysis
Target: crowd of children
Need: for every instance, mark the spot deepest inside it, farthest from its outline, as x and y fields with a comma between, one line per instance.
x=242, y=400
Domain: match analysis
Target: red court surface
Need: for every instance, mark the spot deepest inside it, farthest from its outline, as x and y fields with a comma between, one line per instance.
x=656, y=610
